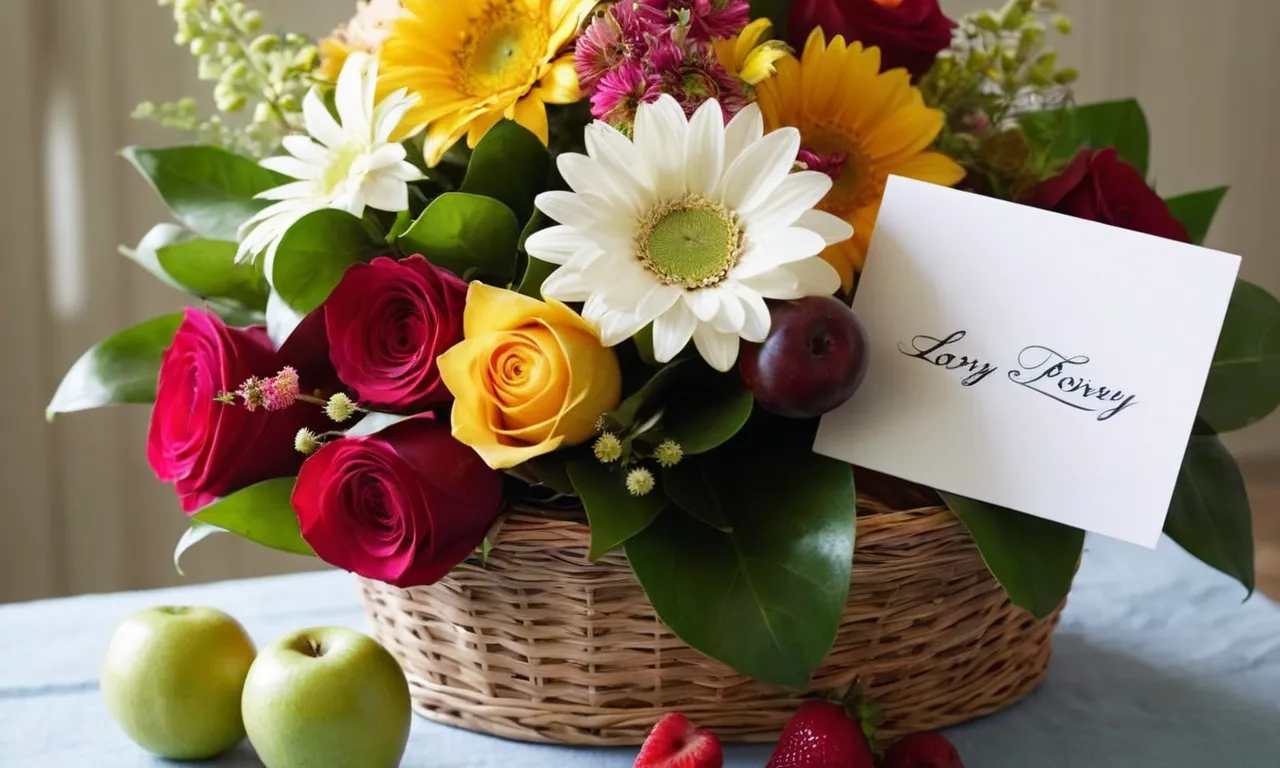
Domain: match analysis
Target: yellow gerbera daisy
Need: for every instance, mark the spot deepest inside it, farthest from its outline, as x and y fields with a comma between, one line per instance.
x=750, y=56
x=473, y=62
x=859, y=125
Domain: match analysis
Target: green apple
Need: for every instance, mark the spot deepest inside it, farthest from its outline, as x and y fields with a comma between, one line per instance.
x=328, y=697
x=172, y=679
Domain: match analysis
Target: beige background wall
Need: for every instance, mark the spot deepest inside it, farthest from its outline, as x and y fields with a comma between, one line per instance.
x=82, y=513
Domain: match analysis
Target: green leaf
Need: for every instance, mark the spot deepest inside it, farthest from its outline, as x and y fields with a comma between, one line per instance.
x=689, y=486
x=766, y=599
x=1120, y=124
x=551, y=470
x=1244, y=378
x=1196, y=211
x=208, y=268
x=644, y=400
x=510, y=165
x=614, y=514
x=209, y=190
x=121, y=368
x=1033, y=559
x=468, y=235
x=403, y=220
x=145, y=253
x=535, y=272
x=260, y=513
x=314, y=254
x=708, y=411
x=1209, y=515
x=198, y=532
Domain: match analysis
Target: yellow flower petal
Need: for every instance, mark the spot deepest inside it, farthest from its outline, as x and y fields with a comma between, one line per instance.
x=532, y=114
x=560, y=83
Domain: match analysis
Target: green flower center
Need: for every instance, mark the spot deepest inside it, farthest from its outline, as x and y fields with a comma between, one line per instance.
x=691, y=242
x=502, y=50
x=340, y=167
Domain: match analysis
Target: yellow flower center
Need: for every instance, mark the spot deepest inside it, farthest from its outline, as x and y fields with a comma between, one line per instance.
x=691, y=242
x=856, y=185
x=502, y=49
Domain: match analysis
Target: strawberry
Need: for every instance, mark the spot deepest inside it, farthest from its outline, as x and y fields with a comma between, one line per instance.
x=922, y=750
x=821, y=735
x=677, y=743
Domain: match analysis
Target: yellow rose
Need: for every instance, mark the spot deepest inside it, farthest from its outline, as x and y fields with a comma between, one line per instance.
x=528, y=377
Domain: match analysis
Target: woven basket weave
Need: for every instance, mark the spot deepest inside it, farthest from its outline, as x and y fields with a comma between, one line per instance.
x=540, y=645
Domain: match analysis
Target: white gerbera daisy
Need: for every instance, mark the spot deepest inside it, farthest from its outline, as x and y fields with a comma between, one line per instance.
x=346, y=165
x=690, y=227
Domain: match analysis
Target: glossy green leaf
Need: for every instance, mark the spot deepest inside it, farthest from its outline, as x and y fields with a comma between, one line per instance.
x=536, y=271
x=645, y=400
x=403, y=220
x=1209, y=515
x=709, y=410
x=145, y=252
x=260, y=513
x=121, y=368
x=509, y=164
x=314, y=254
x=551, y=470
x=469, y=235
x=1244, y=380
x=614, y=514
x=208, y=268
x=691, y=488
x=1033, y=559
x=198, y=532
x=1119, y=124
x=210, y=190
x=1196, y=211
x=766, y=599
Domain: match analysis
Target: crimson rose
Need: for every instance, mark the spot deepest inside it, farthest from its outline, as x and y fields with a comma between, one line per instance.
x=909, y=33
x=403, y=506
x=387, y=323
x=206, y=448
x=1099, y=186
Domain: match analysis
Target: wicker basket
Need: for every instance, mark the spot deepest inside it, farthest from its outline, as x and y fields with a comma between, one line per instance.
x=541, y=645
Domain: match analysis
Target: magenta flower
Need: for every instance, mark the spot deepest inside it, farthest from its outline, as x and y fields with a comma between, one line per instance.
x=705, y=19
x=620, y=91
x=699, y=77
x=613, y=37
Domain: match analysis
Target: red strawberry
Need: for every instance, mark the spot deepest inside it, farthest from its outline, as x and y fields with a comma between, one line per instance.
x=821, y=735
x=922, y=750
x=677, y=743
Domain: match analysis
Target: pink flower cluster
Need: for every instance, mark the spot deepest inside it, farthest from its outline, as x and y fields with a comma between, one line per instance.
x=639, y=49
x=274, y=393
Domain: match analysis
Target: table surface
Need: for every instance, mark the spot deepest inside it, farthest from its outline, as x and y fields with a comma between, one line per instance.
x=1157, y=663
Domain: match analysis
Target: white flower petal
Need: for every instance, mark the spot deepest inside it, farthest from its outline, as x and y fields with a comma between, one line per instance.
x=385, y=156
x=568, y=285
x=657, y=300
x=758, y=170
x=774, y=284
x=720, y=350
x=295, y=190
x=755, y=326
x=731, y=316
x=617, y=326
x=704, y=149
x=607, y=146
x=583, y=174
x=355, y=106
x=776, y=247
x=556, y=244
x=660, y=129
x=320, y=124
x=815, y=277
x=291, y=167
x=745, y=129
x=672, y=331
x=390, y=111
x=795, y=194
x=705, y=303
x=405, y=171
x=578, y=210
x=833, y=229
x=306, y=150
x=386, y=193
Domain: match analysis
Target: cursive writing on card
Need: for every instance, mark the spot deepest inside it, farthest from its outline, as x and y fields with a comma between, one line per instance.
x=1045, y=371
x=923, y=347
x=1040, y=369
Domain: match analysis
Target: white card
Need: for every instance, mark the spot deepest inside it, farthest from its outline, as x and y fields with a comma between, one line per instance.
x=1029, y=359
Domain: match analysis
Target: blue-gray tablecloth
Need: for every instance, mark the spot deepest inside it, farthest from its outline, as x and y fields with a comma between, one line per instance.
x=1157, y=663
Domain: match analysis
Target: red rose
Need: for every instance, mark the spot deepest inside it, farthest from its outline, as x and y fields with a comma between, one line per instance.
x=1099, y=186
x=909, y=33
x=403, y=506
x=387, y=322
x=206, y=448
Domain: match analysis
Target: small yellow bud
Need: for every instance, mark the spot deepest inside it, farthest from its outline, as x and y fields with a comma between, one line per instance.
x=340, y=407
x=252, y=21
x=263, y=44
x=607, y=448
x=640, y=481
x=1062, y=24
x=306, y=442
x=668, y=453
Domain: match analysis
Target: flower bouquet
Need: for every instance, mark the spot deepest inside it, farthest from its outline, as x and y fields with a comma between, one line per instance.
x=524, y=311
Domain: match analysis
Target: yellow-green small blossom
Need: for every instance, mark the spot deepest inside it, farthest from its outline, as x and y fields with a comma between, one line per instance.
x=668, y=453
x=607, y=448
x=639, y=481
x=306, y=442
x=340, y=407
